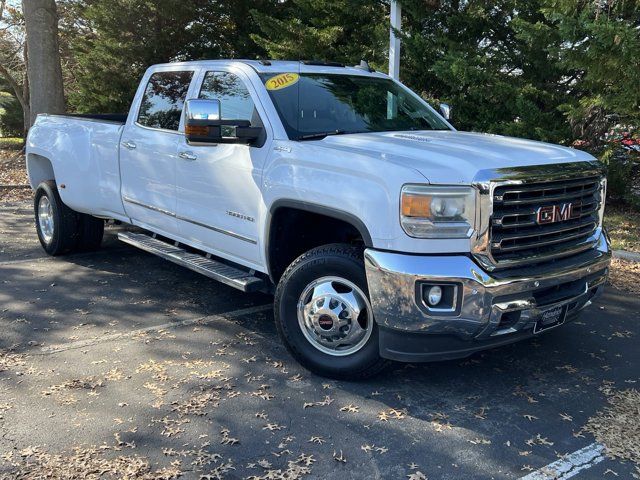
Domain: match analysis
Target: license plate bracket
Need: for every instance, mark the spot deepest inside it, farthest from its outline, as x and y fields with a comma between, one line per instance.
x=550, y=318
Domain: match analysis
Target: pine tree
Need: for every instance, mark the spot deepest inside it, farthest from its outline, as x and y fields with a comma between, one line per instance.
x=600, y=50
x=601, y=45
x=117, y=41
x=495, y=62
x=112, y=42
x=525, y=68
x=344, y=31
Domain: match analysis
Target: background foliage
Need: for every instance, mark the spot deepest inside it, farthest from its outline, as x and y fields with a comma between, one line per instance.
x=110, y=43
x=565, y=71
x=10, y=112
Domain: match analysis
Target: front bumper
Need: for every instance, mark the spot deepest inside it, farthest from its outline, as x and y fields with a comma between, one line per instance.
x=493, y=308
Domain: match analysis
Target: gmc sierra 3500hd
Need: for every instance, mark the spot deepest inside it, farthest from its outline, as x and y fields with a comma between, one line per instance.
x=382, y=231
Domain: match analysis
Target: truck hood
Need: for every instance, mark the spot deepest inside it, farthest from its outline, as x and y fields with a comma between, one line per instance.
x=452, y=157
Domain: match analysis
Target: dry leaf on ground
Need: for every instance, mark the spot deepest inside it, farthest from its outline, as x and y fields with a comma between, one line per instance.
x=625, y=275
x=617, y=426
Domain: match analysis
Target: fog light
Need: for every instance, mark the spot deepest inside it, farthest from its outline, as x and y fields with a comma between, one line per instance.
x=434, y=296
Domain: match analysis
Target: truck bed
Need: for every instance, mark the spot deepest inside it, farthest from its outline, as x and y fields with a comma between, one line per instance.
x=83, y=153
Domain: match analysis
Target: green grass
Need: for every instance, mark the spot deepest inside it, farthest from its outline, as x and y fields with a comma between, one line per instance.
x=623, y=224
x=10, y=143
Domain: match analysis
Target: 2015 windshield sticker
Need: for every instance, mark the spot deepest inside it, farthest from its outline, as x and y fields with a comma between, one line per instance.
x=282, y=80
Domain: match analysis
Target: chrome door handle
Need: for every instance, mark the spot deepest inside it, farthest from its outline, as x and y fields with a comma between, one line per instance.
x=129, y=145
x=188, y=156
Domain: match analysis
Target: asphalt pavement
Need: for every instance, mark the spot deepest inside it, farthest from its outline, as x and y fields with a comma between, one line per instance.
x=119, y=363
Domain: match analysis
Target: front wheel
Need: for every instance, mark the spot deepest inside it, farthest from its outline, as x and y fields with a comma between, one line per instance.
x=324, y=316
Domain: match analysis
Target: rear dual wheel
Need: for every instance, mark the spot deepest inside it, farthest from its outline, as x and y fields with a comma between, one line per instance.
x=324, y=316
x=60, y=229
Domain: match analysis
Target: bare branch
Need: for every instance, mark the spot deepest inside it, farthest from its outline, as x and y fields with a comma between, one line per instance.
x=17, y=89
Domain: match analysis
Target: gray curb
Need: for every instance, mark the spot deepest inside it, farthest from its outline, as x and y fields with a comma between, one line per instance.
x=628, y=256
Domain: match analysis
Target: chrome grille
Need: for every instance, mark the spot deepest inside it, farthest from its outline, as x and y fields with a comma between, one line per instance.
x=516, y=237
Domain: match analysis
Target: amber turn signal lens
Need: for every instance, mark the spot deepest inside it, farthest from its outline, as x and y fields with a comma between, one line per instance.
x=200, y=131
x=416, y=205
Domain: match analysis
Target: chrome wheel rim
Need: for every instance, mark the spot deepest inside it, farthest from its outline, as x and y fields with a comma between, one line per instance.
x=45, y=218
x=335, y=316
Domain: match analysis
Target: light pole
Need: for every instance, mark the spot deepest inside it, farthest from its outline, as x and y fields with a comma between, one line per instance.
x=394, y=41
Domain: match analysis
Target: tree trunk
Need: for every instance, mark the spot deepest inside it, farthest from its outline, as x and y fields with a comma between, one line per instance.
x=26, y=109
x=46, y=92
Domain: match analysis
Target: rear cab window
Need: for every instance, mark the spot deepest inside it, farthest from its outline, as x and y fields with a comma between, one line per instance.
x=163, y=99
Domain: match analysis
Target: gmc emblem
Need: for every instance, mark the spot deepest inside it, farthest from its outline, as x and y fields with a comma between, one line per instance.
x=558, y=213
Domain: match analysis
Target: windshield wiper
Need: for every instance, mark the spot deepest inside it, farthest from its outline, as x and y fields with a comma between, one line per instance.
x=321, y=135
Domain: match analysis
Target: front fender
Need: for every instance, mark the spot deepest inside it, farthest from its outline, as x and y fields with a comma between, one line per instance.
x=359, y=189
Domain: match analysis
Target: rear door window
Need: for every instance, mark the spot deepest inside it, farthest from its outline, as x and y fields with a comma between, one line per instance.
x=163, y=100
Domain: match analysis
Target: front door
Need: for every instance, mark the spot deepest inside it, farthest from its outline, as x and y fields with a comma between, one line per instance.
x=148, y=152
x=218, y=186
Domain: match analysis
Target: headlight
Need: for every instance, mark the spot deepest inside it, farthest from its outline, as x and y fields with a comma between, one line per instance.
x=428, y=211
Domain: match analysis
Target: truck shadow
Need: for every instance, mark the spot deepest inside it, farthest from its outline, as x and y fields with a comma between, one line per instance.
x=59, y=300
x=443, y=408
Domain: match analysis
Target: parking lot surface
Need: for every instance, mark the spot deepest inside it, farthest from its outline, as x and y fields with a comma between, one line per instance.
x=119, y=363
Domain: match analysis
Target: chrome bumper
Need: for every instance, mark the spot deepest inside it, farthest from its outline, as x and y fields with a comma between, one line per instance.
x=394, y=286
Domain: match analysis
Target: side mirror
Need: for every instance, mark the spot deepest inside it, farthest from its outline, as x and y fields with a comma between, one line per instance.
x=445, y=109
x=203, y=125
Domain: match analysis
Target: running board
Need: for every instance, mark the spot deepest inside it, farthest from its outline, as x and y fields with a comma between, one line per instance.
x=226, y=274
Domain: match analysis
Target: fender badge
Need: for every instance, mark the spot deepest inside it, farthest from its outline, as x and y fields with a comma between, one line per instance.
x=240, y=216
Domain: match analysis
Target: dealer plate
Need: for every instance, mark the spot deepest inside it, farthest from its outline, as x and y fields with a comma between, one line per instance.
x=550, y=318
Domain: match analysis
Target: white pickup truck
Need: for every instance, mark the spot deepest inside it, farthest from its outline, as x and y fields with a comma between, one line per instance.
x=382, y=231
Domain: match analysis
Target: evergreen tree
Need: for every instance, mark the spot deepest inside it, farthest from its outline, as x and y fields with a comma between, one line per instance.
x=600, y=49
x=601, y=41
x=344, y=31
x=495, y=62
x=515, y=67
x=117, y=41
x=112, y=42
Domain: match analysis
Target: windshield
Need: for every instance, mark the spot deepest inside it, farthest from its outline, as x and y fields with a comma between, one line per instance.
x=314, y=105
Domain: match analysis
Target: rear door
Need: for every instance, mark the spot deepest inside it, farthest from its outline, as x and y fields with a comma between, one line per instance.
x=218, y=186
x=148, y=151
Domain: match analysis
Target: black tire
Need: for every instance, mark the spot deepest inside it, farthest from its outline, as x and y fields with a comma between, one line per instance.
x=329, y=260
x=64, y=238
x=91, y=231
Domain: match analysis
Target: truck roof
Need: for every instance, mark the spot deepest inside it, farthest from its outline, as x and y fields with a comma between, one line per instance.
x=278, y=66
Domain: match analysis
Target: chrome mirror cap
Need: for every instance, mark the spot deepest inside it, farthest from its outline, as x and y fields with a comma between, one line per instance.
x=445, y=109
x=198, y=109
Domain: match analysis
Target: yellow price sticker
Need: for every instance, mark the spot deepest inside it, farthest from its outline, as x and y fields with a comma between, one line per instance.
x=282, y=80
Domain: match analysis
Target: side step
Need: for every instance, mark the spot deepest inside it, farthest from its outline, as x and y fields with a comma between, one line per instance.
x=231, y=276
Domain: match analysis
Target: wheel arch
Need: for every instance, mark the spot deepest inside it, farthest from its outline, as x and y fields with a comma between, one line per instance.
x=349, y=225
x=40, y=169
